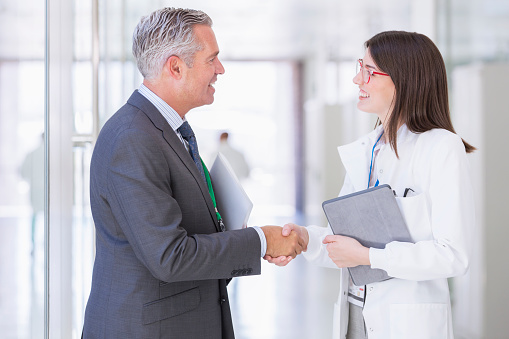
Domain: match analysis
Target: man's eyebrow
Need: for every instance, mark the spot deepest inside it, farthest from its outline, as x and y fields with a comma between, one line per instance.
x=214, y=54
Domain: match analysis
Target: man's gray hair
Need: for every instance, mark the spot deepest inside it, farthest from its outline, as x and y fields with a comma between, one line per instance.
x=164, y=33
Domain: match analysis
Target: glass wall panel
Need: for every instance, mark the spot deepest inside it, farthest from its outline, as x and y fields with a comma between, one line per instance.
x=84, y=98
x=118, y=74
x=82, y=235
x=22, y=80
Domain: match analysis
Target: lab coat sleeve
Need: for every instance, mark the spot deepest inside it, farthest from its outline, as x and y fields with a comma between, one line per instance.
x=317, y=251
x=451, y=217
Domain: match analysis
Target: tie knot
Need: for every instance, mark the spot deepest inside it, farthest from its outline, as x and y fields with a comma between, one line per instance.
x=185, y=130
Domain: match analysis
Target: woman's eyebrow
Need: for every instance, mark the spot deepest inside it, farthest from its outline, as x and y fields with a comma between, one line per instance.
x=369, y=66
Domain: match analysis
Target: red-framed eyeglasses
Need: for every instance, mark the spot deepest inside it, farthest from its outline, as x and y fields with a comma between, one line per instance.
x=366, y=72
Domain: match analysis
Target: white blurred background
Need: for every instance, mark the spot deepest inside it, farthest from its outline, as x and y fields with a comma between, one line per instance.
x=287, y=101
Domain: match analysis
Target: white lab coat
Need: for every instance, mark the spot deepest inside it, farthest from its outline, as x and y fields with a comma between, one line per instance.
x=439, y=214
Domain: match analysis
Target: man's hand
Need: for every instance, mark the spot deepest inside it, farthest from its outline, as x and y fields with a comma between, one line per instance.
x=279, y=245
x=289, y=229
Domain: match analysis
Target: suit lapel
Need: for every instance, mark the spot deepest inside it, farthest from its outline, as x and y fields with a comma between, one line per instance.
x=174, y=142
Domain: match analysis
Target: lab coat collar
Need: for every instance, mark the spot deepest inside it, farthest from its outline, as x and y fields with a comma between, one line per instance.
x=356, y=156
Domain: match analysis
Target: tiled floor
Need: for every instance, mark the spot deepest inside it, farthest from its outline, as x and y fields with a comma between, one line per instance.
x=293, y=302
x=21, y=278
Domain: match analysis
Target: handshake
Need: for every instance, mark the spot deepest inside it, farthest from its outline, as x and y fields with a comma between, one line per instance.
x=285, y=243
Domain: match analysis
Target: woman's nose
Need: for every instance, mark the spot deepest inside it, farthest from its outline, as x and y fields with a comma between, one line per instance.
x=357, y=79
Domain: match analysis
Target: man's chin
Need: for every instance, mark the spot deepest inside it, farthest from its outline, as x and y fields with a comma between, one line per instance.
x=209, y=101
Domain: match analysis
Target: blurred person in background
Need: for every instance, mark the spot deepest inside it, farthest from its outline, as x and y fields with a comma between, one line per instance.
x=235, y=157
x=32, y=171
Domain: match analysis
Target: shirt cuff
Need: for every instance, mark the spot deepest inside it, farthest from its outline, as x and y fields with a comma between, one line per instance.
x=263, y=240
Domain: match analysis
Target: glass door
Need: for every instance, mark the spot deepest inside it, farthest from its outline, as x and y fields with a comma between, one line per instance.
x=22, y=197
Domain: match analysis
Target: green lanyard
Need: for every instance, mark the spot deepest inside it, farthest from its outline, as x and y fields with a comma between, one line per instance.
x=212, y=195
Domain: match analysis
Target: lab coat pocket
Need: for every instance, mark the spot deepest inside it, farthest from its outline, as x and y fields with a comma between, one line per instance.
x=415, y=211
x=419, y=321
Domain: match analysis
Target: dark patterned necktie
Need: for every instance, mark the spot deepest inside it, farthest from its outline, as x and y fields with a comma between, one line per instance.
x=187, y=133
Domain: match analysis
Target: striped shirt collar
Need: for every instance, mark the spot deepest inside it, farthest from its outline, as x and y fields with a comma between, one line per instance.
x=171, y=116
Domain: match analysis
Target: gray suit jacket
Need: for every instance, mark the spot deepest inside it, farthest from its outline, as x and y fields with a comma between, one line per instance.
x=161, y=263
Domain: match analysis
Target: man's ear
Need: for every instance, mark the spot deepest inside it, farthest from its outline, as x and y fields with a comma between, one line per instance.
x=174, y=67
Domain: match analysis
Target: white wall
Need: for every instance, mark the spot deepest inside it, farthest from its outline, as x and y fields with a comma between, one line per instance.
x=481, y=117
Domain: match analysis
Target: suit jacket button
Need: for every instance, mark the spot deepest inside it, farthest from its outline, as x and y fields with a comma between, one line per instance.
x=223, y=300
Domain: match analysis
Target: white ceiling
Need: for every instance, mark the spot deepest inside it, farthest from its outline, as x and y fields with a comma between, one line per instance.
x=280, y=29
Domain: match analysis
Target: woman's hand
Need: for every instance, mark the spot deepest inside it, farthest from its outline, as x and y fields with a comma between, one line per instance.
x=279, y=261
x=346, y=252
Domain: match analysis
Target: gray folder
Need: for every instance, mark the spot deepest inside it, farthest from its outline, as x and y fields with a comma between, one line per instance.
x=372, y=217
x=232, y=201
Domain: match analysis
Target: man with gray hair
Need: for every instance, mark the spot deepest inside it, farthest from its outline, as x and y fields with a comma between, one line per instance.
x=163, y=259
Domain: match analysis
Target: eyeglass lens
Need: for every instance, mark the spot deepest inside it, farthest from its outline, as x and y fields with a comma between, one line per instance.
x=366, y=76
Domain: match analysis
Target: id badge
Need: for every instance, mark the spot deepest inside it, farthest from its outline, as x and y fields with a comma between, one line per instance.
x=356, y=294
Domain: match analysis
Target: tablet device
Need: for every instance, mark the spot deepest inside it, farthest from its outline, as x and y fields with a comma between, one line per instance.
x=373, y=218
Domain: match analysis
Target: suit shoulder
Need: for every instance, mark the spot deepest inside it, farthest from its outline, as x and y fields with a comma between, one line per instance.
x=127, y=117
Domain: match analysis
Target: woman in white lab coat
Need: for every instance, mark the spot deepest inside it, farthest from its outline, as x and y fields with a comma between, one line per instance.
x=402, y=79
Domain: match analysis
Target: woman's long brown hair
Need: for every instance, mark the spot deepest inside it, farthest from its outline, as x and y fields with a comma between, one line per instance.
x=417, y=70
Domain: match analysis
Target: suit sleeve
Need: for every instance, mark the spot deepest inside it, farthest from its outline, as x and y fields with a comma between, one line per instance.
x=149, y=217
